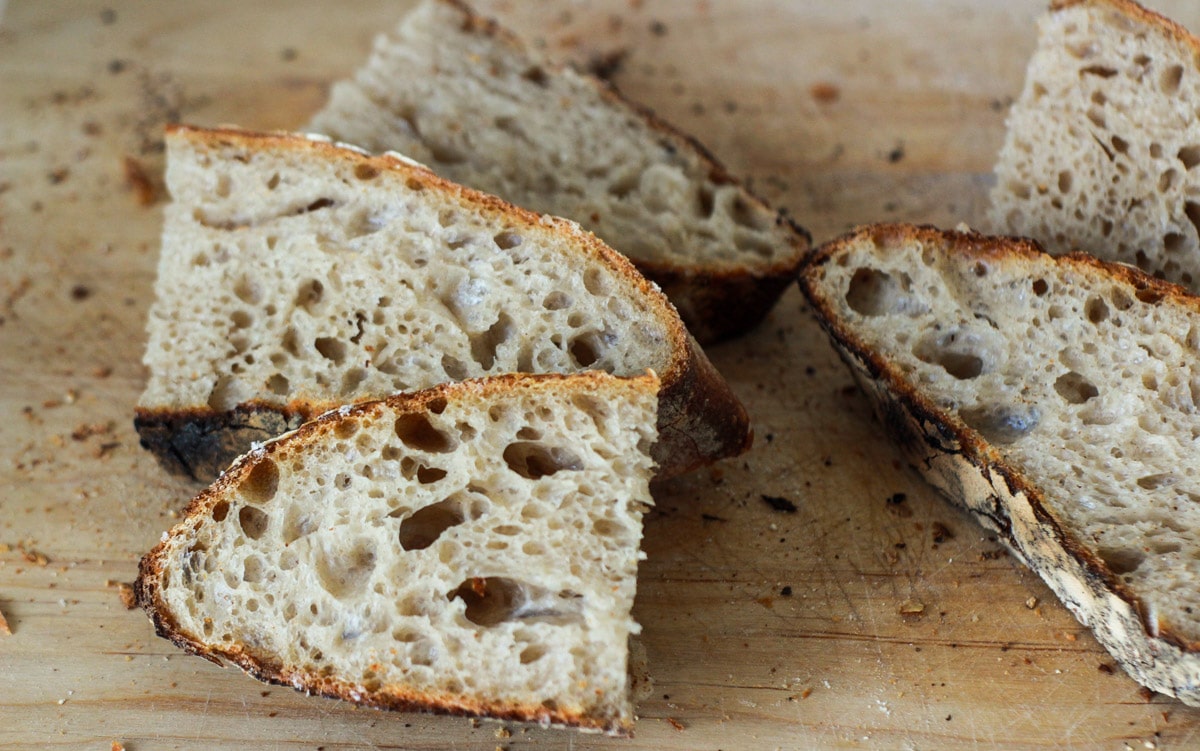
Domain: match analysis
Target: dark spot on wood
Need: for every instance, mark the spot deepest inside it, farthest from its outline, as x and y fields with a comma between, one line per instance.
x=941, y=533
x=779, y=503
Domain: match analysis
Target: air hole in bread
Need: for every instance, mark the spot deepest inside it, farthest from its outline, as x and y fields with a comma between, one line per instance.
x=1120, y=145
x=1154, y=482
x=872, y=292
x=959, y=354
x=1190, y=156
x=364, y=171
x=415, y=430
x=344, y=573
x=1121, y=299
x=1098, y=70
x=1192, y=210
x=1148, y=295
x=317, y=205
x=252, y=569
x=309, y=294
x=595, y=282
x=585, y=349
x=705, y=201
x=330, y=348
x=1167, y=180
x=253, y=521
x=1095, y=309
x=1064, y=181
x=429, y=475
x=1121, y=560
x=494, y=600
x=228, y=392
x=352, y=379
x=536, y=460
x=273, y=182
x=536, y=75
x=1040, y=287
x=1170, y=78
x=261, y=483
x=220, y=511
x=248, y=291
x=1097, y=118
x=556, y=301
x=507, y=240
x=422, y=528
x=1002, y=424
x=1074, y=388
x=241, y=319
x=445, y=153
x=485, y=345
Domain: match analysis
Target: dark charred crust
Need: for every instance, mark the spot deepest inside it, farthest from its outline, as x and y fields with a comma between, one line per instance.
x=901, y=408
x=200, y=443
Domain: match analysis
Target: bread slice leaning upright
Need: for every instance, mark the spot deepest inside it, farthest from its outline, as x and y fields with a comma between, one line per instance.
x=469, y=549
x=470, y=99
x=1056, y=399
x=297, y=275
x=1103, y=143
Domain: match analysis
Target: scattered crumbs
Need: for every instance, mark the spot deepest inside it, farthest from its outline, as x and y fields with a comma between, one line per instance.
x=1031, y=603
x=896, y=154
x=474, y=722
x=992, y=555
x=1145, y=693
x=941, y=533
x=912, y=607
x=779, y=503
x=33, y=556
x=824, y=92
x=806, y=693
x=4, y=629
x=503, y=732
x=117, y=746
x=1106, y=668
x=675, y=723
x=1071, y=636
x=785, y=592
x=83, y=431
x=128, y=598
x=143, y=187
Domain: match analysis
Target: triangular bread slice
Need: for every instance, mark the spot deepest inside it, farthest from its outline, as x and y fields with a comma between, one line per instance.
x=297, y=275
x=469, y=549
x=1103, y=143
x=1056, y=399
x=474, y=102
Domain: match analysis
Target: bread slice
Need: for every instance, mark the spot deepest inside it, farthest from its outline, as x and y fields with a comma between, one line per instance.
x=468, y=98
x=469, y=549
x=297, y=276
x=1104, y=141
x=1056, y=399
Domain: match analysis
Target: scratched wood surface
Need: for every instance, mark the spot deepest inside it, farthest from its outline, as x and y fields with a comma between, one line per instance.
x=850, y=621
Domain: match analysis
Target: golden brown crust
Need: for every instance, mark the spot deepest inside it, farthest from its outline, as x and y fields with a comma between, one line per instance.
x=148, y=593
x=1138, y=14
x=704, y=419
x=903, y=407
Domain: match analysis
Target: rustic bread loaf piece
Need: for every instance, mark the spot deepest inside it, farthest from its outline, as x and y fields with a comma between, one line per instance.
x=1104, y=141
x=469, y=549
x=471, y=100
x=297, y=276
x=1058, y=400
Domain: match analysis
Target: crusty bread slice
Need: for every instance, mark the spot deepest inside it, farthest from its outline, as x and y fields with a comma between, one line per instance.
x=1104, y=140
x=297, y=276
x=469, y=549
x=1056, y=399
x=461, y=94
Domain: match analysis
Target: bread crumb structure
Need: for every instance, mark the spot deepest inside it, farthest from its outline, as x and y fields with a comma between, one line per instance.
x=469, y=549
x=1101, y=148
x=1058, y=399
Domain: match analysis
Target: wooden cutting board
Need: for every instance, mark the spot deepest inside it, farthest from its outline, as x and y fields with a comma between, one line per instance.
x=851, y=621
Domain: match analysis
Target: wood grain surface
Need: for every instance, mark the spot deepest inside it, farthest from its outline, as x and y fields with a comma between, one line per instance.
x=861, y=611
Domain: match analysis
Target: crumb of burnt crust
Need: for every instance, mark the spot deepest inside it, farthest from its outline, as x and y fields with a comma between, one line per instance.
x=143, y=187
x=503, y=732
x=83, y=431
x=605, y=65
x=940, y=533
x=80, y=292
x=785, y=592
x=824, y=92
x=125, y=592
x=896, y=154
x=779, y=503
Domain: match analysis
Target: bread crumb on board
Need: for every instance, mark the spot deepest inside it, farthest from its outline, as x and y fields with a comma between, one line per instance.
x=117, y=746
x=4, y=629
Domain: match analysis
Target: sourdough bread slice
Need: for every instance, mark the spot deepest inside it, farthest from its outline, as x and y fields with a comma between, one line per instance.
x=469, y=549
x=461, y=94
x=297, y=276
x=1056, y=399
x=1104, y=140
